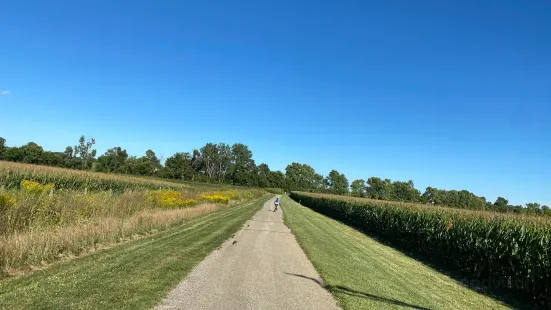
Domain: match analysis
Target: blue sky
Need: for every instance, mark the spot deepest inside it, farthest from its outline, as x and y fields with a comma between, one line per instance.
x=450, y=94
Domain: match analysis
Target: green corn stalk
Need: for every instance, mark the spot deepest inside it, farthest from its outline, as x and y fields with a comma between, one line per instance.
x=510, y=252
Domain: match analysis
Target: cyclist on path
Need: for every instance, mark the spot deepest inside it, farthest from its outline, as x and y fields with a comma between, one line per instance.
x=276, y=203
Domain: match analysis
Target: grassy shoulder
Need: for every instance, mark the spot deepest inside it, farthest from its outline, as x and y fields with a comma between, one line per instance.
x=134, y=275
x=365, y=274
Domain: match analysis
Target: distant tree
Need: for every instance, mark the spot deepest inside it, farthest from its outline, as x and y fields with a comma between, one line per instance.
x=357, y=188
x=262, y=171
x=85, y=152
x=404, y=191
x=337, y=183
x=148, y=164
x=197, y=163
x=430, y=195
x=68, y=152
x=318, y=183
x=501, y=205
x=13, y=154
x=546, y=210
x=302, y=177
x=533, y=208
x=2, y=147
x=516, y=209
x=150, y=155
x=52, y=159
x=32, y=153
x=243, y=165
x=379, y=189
x=112, y=161
x=224, y=162
x=209, y=159
x=276, y=179
x=179, y=166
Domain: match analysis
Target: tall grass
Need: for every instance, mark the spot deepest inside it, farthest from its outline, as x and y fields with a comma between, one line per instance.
x=32, y=211
x=47, y=213
x=18, y=252
x=509, y=253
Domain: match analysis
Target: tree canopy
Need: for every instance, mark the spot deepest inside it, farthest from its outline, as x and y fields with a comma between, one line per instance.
x=234, y=164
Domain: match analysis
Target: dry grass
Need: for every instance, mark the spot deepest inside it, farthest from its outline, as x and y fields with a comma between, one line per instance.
x=20, y=252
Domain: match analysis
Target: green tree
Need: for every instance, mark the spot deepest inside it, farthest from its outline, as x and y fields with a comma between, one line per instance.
x=276, y=179
x=68, y=152
x=85, y=152
x=533, y=208
x=196, y=163
x=32, y=153
x=113, y=160
x=179, y=166
x=209, y=159
x=13, y=154
x=2, y=147
x=337, y=183
x=224, y=161
x=430, y=195
x=302, y=177
x=243, y=165
x=501, y=204
x=379, y=189
x=262, y=171
x=148, y=164
x=52, y=159
x=357, y=188
x=405, y=191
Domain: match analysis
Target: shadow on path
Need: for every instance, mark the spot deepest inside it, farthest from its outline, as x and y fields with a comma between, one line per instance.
x=351, y=292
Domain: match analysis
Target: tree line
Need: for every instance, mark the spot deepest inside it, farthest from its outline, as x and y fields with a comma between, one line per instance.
x=234, y=164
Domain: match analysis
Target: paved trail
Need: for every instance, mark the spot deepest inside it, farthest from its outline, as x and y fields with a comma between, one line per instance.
x=262, y=267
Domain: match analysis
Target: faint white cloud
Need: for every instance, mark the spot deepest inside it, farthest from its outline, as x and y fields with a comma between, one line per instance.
x=4, y=92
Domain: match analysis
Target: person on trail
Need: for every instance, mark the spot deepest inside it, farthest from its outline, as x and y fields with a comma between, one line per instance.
x=276, y=203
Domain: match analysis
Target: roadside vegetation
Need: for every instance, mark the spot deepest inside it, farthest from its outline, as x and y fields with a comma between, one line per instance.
x=133, y=275
x=221, y=163
x=59, y=213
x=277, y=191
x=505, y=253
x=363, y=273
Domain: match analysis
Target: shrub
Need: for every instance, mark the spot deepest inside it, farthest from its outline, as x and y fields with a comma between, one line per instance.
x=216, y=198
x=7, y=201
x=277, y=191
x=166, y=198
x=35, y=187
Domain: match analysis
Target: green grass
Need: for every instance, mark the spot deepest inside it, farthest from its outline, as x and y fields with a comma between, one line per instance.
x=135, y=275
x=365, y=274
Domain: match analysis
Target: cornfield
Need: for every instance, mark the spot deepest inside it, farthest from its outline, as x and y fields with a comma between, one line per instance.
x=12, y=174
x=509, y=253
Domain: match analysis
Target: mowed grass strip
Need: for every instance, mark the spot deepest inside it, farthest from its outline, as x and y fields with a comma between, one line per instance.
x=365, y=274
x=135, y=275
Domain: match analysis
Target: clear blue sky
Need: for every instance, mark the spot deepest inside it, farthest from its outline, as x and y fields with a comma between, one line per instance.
x=451, y=94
